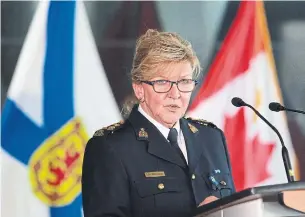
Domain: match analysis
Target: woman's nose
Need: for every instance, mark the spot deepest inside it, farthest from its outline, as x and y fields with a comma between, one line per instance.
x=174, y=92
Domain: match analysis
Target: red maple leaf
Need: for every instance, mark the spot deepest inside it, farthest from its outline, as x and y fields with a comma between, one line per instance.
x=249, y=157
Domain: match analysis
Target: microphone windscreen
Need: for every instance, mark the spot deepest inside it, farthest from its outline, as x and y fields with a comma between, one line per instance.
x=238, y=102
x=274, y=106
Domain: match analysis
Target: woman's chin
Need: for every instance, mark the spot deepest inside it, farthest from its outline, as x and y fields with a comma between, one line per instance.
x=171, y=119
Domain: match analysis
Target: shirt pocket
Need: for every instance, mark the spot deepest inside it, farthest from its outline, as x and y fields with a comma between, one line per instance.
x=150, y=187
x=162, y=195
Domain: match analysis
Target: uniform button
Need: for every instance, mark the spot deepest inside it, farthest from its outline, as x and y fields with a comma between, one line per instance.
x=193, y=176
x=223, y=183
x=161, y=186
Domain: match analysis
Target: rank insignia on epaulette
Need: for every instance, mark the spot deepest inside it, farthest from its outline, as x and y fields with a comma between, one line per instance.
x=99, y=132
x=115, y=126
x=109, y=129
x=202, y=122
x=143, y=133
x=112, y=127
x=193, y=128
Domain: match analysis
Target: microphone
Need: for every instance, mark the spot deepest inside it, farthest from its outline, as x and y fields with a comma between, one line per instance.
x=238, y=102
x=276, y=107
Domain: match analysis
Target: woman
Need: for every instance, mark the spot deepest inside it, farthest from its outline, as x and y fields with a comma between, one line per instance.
x=157, y=162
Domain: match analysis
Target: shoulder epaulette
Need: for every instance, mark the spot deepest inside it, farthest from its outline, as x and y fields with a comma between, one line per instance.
x=202, y=122
x=108, y=130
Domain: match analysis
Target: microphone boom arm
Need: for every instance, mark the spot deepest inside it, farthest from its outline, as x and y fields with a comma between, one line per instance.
x=285, y=155
x=294, y=110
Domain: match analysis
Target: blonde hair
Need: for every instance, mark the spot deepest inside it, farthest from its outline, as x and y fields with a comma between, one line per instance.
x=155, y=48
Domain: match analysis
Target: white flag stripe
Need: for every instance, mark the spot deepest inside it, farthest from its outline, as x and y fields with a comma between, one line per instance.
x=27, y=92
x=94, y=101
x=17, y=198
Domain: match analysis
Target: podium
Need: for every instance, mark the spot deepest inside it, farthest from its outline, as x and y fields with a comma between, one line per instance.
x=265, y=201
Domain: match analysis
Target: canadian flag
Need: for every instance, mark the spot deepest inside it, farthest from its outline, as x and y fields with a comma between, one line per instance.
x=244, y=67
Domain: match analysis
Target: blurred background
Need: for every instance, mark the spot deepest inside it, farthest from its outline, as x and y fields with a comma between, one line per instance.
x=116, y=26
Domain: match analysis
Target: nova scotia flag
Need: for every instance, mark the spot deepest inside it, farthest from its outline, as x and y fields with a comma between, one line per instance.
x=58, y=97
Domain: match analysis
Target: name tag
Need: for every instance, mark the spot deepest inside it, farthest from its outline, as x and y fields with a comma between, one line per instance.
x=154, y=174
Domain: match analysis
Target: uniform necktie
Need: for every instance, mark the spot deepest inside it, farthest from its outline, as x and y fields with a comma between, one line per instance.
x=173, y=139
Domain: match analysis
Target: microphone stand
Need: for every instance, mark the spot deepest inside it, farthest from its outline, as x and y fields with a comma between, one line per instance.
x=285, y=155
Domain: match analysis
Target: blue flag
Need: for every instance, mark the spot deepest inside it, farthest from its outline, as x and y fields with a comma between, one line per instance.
x=58, y=97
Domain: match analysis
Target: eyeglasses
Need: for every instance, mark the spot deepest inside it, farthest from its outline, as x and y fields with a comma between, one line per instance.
x=164, y=86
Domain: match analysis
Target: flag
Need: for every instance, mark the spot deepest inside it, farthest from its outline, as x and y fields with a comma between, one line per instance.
x=244, y=67
x=58, y=97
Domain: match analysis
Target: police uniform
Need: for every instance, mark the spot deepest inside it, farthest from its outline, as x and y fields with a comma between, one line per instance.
x=131, y=169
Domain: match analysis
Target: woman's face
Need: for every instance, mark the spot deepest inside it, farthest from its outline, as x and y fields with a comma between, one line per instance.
x=166, y=108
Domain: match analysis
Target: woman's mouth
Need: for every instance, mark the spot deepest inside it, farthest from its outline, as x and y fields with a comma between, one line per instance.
x=173, y=107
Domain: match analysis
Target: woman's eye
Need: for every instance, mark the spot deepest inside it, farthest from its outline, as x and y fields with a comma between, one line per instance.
x=160, y=82
x=186, y=81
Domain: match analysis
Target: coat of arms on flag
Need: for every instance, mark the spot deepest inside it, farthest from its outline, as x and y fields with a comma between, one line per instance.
x=55, y=102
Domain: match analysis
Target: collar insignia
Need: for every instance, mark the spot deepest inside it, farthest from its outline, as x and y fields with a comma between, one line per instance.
x=193, y=128
x=143, y=134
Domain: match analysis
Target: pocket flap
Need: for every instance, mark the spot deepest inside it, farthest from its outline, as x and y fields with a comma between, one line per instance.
x=148, y=187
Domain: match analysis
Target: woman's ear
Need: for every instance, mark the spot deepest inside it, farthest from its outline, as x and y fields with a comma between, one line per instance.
x=138, y=90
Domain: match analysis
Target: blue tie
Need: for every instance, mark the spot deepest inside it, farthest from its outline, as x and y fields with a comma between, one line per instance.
x=173, y=139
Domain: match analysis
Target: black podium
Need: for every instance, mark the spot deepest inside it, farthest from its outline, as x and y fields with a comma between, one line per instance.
x=265, y=201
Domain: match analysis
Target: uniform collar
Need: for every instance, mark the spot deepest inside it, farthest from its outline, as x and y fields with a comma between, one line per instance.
x=147, y=132
x=164, y=130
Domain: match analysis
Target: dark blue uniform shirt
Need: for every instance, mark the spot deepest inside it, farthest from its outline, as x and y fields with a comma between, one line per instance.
x=130, y=169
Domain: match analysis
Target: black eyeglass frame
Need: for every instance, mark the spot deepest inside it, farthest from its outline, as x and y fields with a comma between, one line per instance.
x=152, y=83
